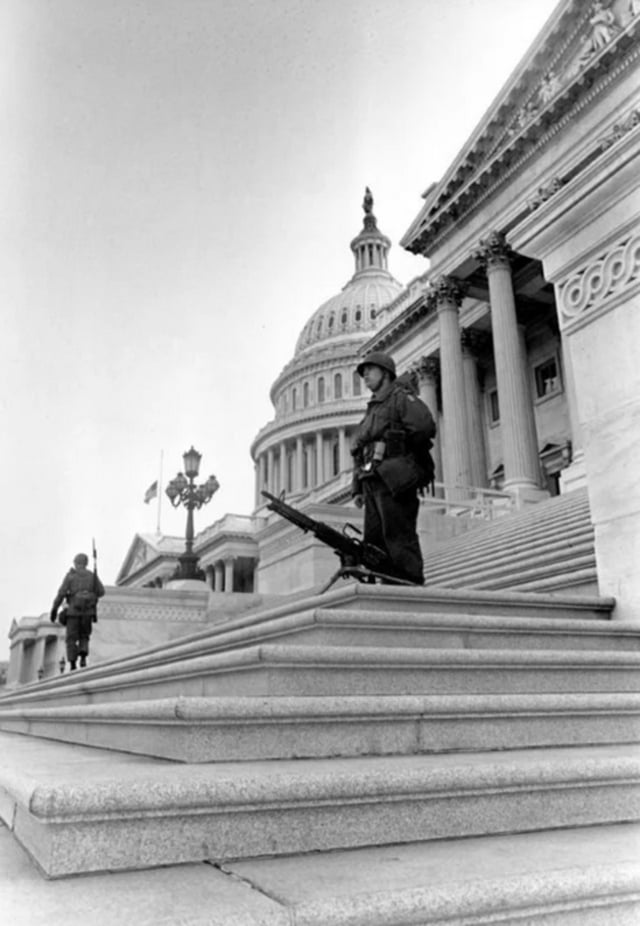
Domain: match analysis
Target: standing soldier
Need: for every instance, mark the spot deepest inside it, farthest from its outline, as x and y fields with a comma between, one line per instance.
x=81, y=588
x=392, y=463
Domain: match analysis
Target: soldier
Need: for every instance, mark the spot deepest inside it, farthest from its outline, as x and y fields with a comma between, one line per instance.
x=81, y=588
x=392, y=463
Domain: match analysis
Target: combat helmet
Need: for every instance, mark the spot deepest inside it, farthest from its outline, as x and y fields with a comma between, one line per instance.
x=379, y=359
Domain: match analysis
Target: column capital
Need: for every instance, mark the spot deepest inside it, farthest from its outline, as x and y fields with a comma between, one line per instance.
x=493, y=251
x=449, y=289
x=426, y=368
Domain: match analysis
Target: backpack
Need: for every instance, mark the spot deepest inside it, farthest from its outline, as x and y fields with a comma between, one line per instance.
x=83, y=598
x=426, y=426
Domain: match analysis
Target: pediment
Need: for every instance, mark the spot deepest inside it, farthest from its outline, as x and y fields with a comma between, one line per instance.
x=138, y=555
x=579, y=44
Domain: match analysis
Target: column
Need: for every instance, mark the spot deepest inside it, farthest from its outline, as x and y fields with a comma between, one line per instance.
x=257, y=482
x=472, y=343
x=319, y=459
x=448, y=293
x=343, y=463
x=218, y=577
x=228, y=574
x=519, y=445
x=283, y=467
x=428, y=370
x=299, y=480
x=271, y=483
x=263, y=477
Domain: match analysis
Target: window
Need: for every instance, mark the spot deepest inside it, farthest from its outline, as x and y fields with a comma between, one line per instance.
x=547, y=378
x=294, y=399
x=357, y=384
x=337, y=386
x=344, y=319
x=305, y=395
x=494, y=407
x=321, y=389
x=358, y=317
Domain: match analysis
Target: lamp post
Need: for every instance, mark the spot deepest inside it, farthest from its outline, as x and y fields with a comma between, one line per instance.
x=183, y=491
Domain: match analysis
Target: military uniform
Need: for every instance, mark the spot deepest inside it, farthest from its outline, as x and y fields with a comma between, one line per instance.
x=392, y=461
x=81, y=589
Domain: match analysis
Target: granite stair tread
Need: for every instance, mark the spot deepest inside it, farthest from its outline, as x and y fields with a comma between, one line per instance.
x=84, y=809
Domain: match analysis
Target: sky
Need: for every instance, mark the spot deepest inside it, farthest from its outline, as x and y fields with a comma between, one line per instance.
x=180, y=181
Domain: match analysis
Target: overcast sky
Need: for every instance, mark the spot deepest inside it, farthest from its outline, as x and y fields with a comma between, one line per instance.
x=180, y=183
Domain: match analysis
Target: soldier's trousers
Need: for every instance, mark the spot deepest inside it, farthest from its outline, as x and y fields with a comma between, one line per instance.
x=79, y=628
x=390, y=523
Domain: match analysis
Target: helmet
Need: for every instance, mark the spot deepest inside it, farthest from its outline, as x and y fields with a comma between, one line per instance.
x=81, y=559
x=378, y=359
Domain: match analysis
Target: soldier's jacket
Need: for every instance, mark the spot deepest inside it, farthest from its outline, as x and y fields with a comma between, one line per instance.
x=406, y=462
x=81, y=589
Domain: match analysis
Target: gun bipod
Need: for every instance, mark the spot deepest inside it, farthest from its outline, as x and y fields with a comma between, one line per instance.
x=362, y=574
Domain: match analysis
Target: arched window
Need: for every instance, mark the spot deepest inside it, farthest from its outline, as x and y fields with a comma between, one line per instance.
x=357, y=384
x=319, y=327
x=305, y=395
x=294, y=398
x=358, y=317
x=344, y=318
x=321, y=389
x=331, y=320
x=337, y=386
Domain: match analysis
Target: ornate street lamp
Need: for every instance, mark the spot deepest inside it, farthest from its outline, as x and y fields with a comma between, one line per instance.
x=183, y=491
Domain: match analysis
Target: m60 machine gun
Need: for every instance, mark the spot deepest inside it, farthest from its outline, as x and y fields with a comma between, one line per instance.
x=359, y=560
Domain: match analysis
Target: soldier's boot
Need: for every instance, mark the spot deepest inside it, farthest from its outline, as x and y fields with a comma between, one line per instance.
x=83, y=660
x=72, y=664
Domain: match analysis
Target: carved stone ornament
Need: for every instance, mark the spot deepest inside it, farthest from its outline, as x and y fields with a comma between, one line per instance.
x=620, y=129
x=493, y=251
x=601, y=281
x=427, y=368
x=450, y=289
x=544, y=193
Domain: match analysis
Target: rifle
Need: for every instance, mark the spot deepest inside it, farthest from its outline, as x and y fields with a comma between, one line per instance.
x=362, y=561
x=95, y=575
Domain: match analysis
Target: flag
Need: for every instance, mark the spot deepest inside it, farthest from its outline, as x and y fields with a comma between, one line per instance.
x=151, y=492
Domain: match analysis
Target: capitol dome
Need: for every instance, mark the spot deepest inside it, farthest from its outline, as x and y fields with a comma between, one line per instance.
x=318, y=397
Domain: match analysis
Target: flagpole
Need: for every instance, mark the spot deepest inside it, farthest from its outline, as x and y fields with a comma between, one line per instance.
x=159, y=493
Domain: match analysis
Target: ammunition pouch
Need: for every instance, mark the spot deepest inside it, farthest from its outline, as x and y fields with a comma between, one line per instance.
x=399, y=474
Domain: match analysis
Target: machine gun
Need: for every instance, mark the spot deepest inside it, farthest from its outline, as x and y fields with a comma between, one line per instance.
x=359, y=560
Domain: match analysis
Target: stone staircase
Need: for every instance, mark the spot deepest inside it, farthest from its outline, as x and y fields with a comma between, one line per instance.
x=408, y=732
x=545, y=548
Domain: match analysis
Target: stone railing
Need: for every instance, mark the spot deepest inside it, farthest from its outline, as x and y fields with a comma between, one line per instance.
x=485, y=504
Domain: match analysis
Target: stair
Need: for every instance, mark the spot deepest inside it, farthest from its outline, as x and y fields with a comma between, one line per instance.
x=402, y=722
x=547, y=547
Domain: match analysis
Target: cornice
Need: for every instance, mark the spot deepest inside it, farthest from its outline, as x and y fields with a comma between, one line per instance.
x=515, y=152
x=277, y=431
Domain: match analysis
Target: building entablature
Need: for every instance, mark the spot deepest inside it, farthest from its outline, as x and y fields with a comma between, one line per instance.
x=335, y=357
x=573, y=62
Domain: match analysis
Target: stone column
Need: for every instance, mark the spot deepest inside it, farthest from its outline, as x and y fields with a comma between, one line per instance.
x=228, y=574
x=319, y=459
x=519, y=444
x=271, y=483
x=472, y=344
x=448, y=293
x=428, y=370
x=283, y=467
x=299, y=486
x=218, y=577
x=343, y=452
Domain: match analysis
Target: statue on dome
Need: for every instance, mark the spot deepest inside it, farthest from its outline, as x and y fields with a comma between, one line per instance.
x=367, y=202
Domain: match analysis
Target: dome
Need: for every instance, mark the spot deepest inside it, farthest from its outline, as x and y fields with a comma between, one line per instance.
x=351, y=314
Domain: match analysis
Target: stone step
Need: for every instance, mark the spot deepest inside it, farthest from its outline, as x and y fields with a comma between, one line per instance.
x=240, y=729
x=298, y=670
x=584, y=580
x=536, y=568
x=552, y=517
x=573, y=877
x=476, y=544
x=587, y=876
x=509, y=558
x=78, y=809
